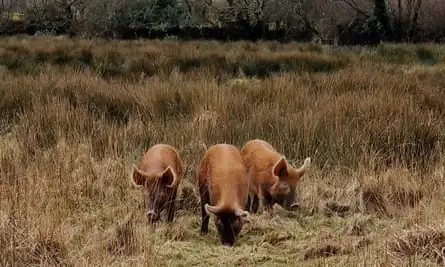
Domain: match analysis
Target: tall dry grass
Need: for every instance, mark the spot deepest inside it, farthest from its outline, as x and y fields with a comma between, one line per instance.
x=75, y=114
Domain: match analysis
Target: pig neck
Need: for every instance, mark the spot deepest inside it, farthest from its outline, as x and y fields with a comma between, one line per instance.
x=230, y=199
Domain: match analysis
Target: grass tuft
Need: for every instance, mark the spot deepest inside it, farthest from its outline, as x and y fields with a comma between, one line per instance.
x=123, y=240
x=327, y=250
x=425, y=243
x=427, y=56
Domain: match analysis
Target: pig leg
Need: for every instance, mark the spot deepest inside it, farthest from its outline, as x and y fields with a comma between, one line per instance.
x=253, y=200
x=255, y=203
x=249, y=202
x=252, y=203
x=266, y=201
x=171, y=208
x=205, y=199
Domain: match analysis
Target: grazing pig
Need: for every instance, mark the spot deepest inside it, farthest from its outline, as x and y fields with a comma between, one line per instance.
x=224, y=189
x=159, y=176
x=273, y=179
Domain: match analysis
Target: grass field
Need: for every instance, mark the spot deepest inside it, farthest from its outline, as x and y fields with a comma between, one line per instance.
x=75, y=114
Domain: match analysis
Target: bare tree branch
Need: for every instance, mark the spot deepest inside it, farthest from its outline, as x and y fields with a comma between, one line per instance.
x=307, y=22
x=417, y=7
x=189, y=6
x=353, y=4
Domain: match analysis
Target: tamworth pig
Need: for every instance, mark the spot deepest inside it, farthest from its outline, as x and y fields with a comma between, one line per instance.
x=224, y=188
x=273, y=179
x=159, y=176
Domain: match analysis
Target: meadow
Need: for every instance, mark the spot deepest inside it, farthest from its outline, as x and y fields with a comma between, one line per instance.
x=75, y=114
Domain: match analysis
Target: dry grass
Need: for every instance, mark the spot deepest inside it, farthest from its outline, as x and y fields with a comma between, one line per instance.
x=423, y=243
x=75, y=114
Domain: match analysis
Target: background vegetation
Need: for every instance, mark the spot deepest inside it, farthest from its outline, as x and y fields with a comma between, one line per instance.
x=333, y=22
x=75, y=114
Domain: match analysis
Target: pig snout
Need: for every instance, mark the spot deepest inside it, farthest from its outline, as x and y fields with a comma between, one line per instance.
x=294, y=206
x=152, y=216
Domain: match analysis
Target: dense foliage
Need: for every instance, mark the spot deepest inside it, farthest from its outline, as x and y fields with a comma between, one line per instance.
x=339, y=22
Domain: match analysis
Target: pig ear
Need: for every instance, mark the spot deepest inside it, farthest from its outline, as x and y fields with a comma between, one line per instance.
x=241, y=213
x=306, y=165
x=168, y=177
x=280, y=168
x=211, y=209
x=138, y=176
